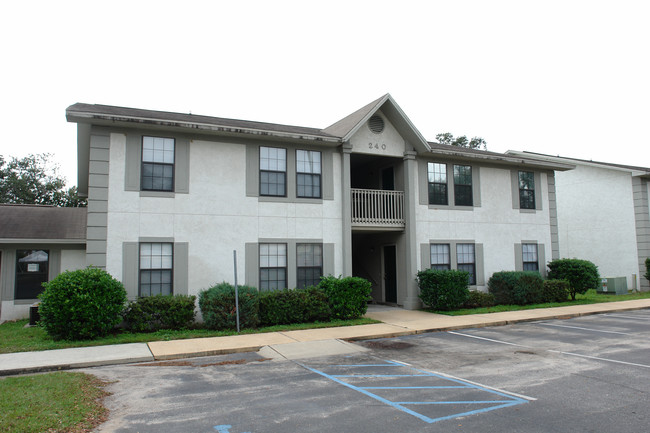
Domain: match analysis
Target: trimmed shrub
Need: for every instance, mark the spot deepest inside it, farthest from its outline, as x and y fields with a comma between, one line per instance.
x=347, y=297
x=556, y=291
x=647, y=269
x=279, y=307
x=81, y=305
x=582, y=275
x=478, y=299
x=217, y=305
x=443, y=290
x=152, y=313
x=516, y=287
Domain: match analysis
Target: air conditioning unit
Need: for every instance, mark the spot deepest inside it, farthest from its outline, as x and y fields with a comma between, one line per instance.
x=613, y=286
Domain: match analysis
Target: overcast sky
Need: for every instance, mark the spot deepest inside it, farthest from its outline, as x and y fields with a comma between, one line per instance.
x=558, y=77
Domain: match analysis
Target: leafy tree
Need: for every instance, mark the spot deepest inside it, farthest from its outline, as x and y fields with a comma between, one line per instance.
x=34, y=179
x=462, y=141
x=581, y=275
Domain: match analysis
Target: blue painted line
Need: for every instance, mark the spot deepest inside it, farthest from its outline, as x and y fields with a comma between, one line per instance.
x=371, y=395
x=500, y=404
x=414, y=387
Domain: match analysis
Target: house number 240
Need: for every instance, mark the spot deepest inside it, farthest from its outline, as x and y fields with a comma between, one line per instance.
x=376, y=146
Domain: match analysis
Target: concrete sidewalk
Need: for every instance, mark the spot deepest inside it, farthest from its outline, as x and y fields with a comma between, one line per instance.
x=396, y=322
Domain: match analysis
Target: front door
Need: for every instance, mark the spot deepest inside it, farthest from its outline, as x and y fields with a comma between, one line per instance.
x=390, y=274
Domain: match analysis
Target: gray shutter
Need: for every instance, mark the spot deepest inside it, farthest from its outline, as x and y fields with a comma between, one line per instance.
x=181, y=271
x=133, y=160
x=182, y=166
x=130, y=267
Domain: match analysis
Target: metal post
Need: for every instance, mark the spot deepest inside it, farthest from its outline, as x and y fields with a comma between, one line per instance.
x=234, y=256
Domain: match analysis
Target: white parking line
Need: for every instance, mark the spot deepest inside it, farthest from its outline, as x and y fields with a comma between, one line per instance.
x=622, y=316
x=583, y=329
x=601, y=359
x=487, y=339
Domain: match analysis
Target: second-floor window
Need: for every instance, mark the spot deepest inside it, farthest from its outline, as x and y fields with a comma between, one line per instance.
x=437, y=177
x=526, y=190
x=463, y=185
x=308, y=174
x=273, y=171
x=157, y=164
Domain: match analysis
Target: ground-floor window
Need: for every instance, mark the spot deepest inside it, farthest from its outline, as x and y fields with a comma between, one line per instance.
x=273, y=266
x=529, y=257
x=32, y=269
x=310, y=264
x=156, y=268
x=466, y=259
x=440, y=259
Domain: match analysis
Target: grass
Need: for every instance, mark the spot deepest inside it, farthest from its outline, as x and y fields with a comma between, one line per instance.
x=15, y=337
x=591, y=297
x=54, y=402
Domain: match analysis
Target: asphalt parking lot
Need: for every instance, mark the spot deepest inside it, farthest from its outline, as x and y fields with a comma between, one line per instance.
x=587, y=374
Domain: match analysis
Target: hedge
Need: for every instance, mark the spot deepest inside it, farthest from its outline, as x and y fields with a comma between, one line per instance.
x=217, y=305
x=279, y=307
x=443, y=290
x=516, y=287
x=348, y=297
x=152, y=313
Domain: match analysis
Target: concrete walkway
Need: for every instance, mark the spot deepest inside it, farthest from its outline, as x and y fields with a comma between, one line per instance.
x=291, y=344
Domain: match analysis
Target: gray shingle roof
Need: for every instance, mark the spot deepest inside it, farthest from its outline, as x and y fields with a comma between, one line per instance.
x=42, y=222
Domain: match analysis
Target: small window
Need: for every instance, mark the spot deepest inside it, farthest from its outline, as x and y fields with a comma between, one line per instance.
x=529, y=257
x=466, y=260
x=157, y=164
x=156, y=265
x=310, y=264
x=526, y=190
x=437, y=177
x=273, y=171
x=308, y=174
x=440, y=257
x=273, y=266
x=32, y=268
x=463, y=185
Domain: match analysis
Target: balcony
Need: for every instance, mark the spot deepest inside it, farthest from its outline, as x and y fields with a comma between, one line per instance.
x=377, y=209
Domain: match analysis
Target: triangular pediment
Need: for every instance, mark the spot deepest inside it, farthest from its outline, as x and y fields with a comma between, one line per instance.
x=397, y=135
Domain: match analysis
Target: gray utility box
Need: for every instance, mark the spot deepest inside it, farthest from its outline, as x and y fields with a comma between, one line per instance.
x=613, y=286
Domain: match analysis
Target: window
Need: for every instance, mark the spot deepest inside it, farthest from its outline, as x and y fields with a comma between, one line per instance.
x=440, y=260
x=273, y=266
x=466, y=260
x=526, y=190
x=273, y=171
x=32, y=268
x=463, y=185
x=529, y=257
x=308, y=174
x=156, y=264
x=310, y=264
x=157, y=164
x=437, y=176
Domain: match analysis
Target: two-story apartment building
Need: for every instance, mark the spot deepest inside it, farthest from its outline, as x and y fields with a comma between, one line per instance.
x=171, y=196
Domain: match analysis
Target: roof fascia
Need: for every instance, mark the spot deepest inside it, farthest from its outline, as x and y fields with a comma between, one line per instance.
x=131, y=121
x=505, y=159
x=42, y=241
x=575, y=161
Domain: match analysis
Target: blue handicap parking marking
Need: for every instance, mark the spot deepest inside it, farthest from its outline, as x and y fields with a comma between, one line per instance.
x=428, y=396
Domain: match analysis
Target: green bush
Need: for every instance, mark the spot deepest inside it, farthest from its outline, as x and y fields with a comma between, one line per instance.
x=556, y=290
x=152, y=313
x=582, y=275
x=647, y=269
x=347, y=297
x=478, y=299
x=80, y=305
x=217, y=306
x=443, y=290
x=280, y=307
x=516, y=287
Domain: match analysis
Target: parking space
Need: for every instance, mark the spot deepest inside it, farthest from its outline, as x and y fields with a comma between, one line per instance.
x=590, y=373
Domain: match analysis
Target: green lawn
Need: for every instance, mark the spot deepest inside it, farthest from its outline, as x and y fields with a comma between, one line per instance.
x=15, y=337
x=591, y=297
x=53, y=402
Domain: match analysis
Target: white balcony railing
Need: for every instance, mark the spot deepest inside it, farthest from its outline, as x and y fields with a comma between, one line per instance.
x=374, y=207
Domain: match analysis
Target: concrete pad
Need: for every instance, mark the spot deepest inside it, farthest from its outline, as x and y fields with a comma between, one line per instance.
x=311, y=349
x=64, y=359
x=360, y=332
x=215, y=345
